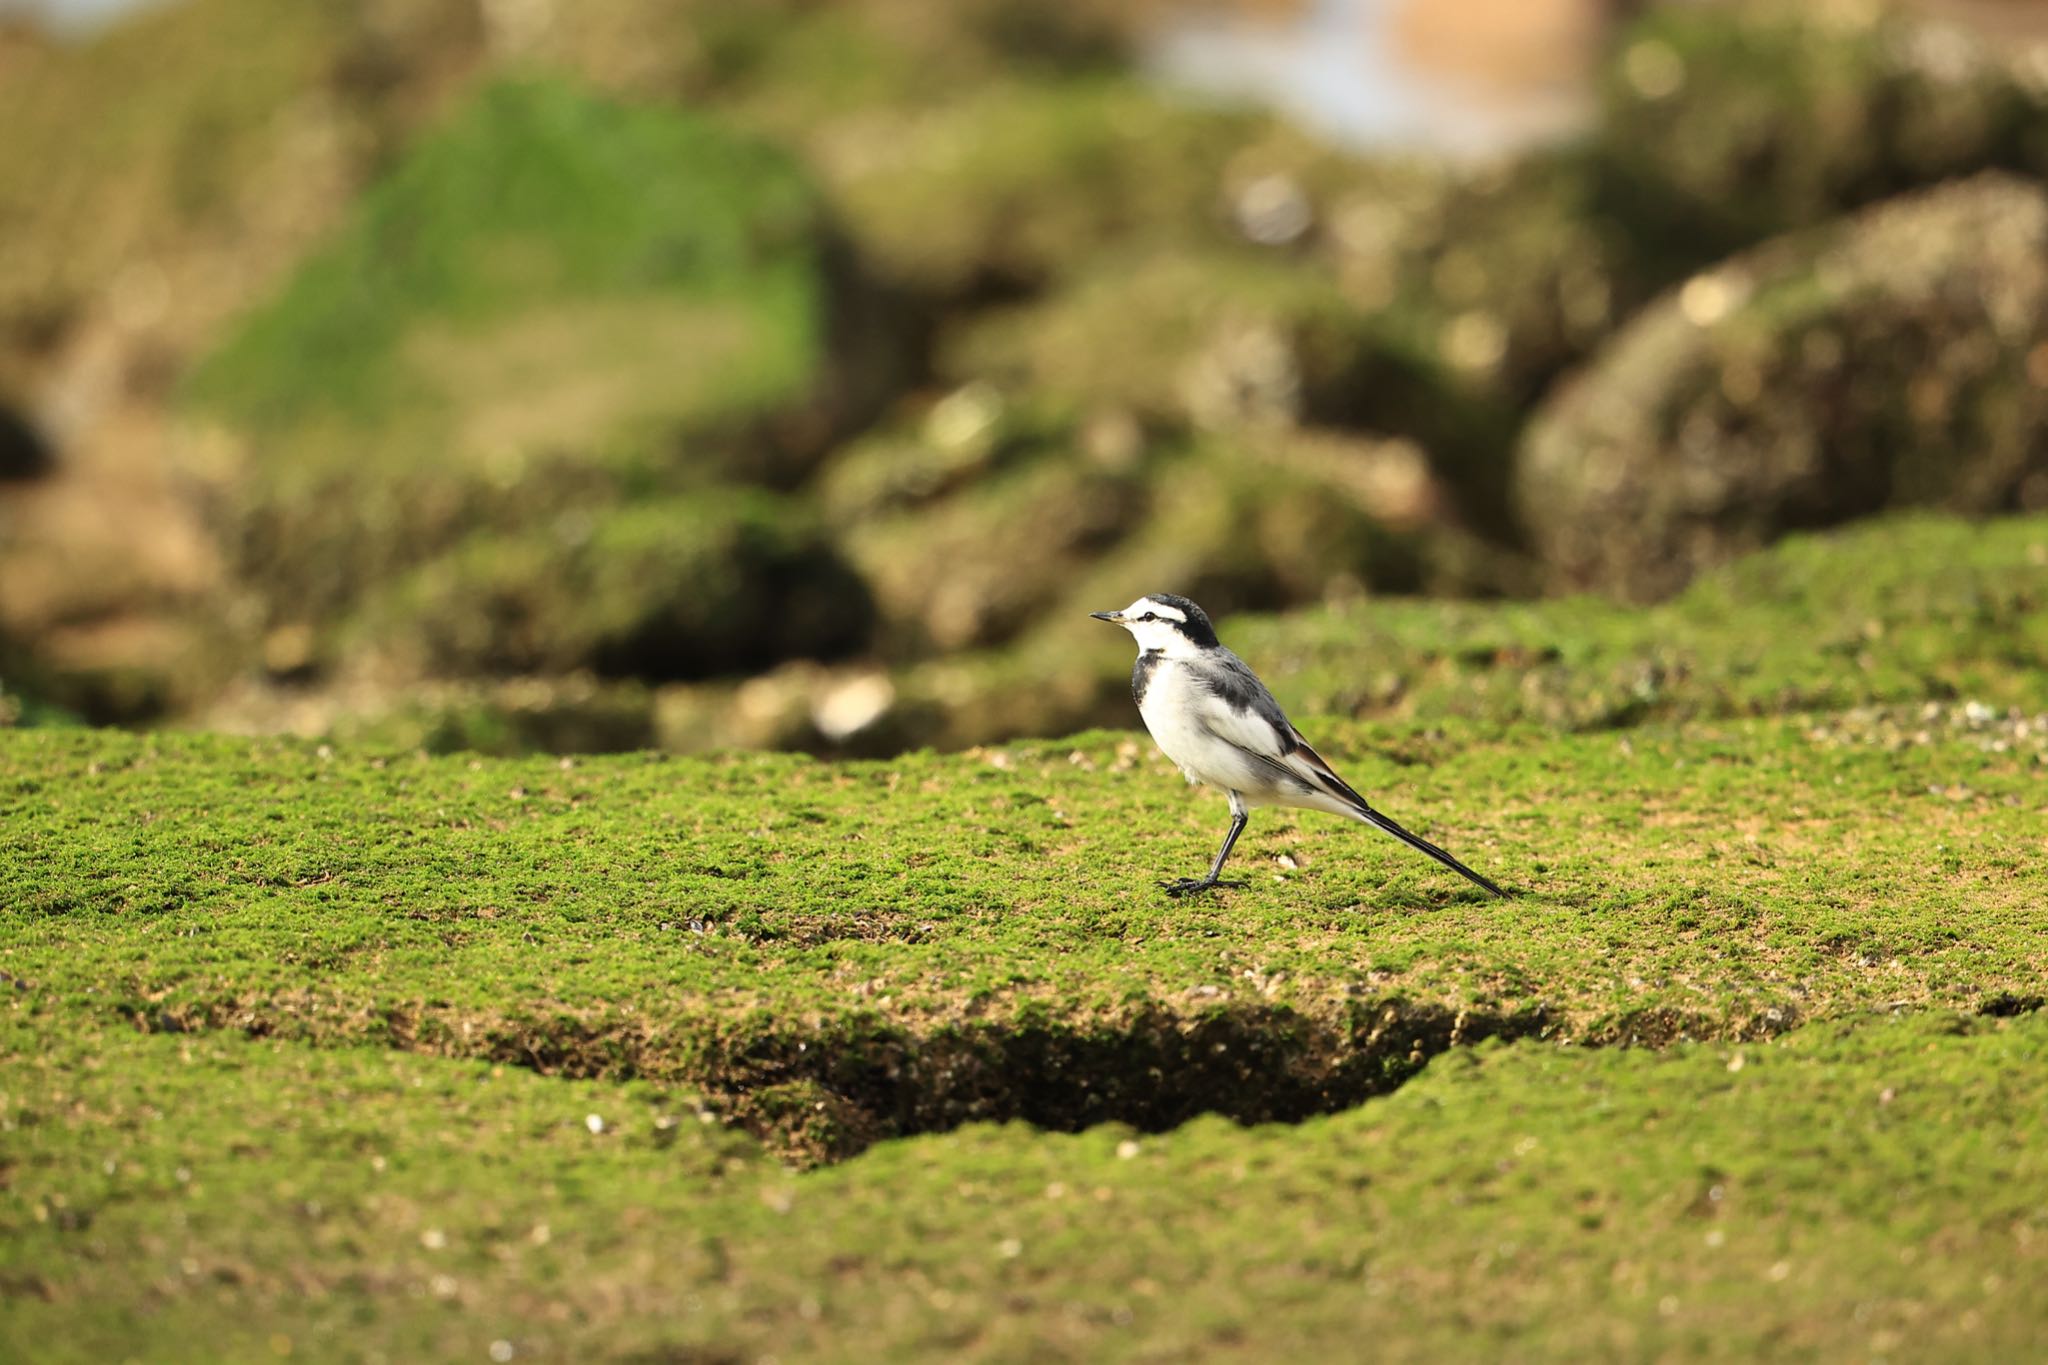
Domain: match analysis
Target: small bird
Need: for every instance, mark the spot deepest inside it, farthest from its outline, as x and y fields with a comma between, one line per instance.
x=1211, y=715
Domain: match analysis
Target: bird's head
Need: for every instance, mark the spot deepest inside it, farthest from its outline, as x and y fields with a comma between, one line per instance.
x=1162, y=621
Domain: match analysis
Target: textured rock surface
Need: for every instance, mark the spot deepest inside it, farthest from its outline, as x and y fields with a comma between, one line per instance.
x=1730, y=122
x=1895, y=359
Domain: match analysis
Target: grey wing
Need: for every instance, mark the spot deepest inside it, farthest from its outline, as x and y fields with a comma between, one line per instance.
x=1231, y=681
x=1237, y=709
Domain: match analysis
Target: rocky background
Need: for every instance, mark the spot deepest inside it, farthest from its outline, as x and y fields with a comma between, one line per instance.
x=513, y=374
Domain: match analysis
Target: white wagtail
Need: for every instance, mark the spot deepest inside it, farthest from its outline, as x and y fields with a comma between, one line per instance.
x=1211, y=715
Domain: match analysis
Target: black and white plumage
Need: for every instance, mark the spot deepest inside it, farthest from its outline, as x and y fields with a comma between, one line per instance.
x=1211, y=715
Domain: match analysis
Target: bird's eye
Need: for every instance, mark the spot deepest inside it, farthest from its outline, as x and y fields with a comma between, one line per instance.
x=1149, y=616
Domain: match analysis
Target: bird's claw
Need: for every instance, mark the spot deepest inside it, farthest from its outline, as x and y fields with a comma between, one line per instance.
x=1187, y=886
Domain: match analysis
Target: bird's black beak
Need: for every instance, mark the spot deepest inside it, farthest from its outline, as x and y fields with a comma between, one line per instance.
x=1113, y=617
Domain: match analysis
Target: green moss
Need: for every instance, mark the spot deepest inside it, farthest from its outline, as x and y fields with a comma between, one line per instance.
x=533, y=196
x=1897, y=611
x=1845, y=1190
x=699, y=919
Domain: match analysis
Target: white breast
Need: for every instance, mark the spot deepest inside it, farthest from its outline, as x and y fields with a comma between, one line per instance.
x=1172, y=711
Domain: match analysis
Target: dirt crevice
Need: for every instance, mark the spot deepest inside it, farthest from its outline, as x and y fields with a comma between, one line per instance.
x=823, y=1090
x=825, y=1098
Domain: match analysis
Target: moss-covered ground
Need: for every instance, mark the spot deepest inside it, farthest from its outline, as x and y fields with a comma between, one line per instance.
x=1853, y=1192
x=304, y=1047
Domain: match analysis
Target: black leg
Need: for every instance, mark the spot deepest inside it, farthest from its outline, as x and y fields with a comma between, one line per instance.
x=1187, y=885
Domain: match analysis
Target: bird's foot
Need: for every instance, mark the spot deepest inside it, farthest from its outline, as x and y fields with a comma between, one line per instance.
x=1187, y=886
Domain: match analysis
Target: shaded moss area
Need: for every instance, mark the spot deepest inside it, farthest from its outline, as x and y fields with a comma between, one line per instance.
x=669, y=588
x=1850, y=1189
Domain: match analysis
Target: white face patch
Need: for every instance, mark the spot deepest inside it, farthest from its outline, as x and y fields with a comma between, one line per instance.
x=1155, y=625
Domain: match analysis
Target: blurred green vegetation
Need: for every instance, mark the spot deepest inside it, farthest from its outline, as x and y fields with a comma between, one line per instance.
x=555, y=314
x=536, y=318
x=533, y=202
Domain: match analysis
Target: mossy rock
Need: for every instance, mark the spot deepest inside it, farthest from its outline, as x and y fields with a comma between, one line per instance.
x=928, y=453
x=1212, y=338
x=1425, y=305
x=1877, y=618
x=976, y=568
x=1891, y=360
x=1725, y=124
x=717, y=582
x=1020, y=184
x=784, y=65
x=169, y=168
x=554, y=300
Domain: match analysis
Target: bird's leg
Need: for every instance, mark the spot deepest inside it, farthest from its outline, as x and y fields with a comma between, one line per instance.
x=1239, y=818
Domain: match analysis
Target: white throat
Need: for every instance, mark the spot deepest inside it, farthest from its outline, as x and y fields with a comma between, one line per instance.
x=1164, y=637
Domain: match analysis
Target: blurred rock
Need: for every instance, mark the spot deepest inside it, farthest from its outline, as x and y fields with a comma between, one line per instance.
x=716, y=582
x=790, y=62
x=113, y=595
x=1263, y=520
x=1005, y=190
x=154, y=181
x=1428, y=305
x=1499, y=51
x=1727, y=123
x=1899, y=358
x=1212, y=339
x=24, y=453
x=553, y=303
x=965, y=435
x=576, y=713
x=976, y=567
x=162, y=175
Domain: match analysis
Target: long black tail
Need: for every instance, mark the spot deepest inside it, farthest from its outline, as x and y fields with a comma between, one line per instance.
x=1421, y=845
